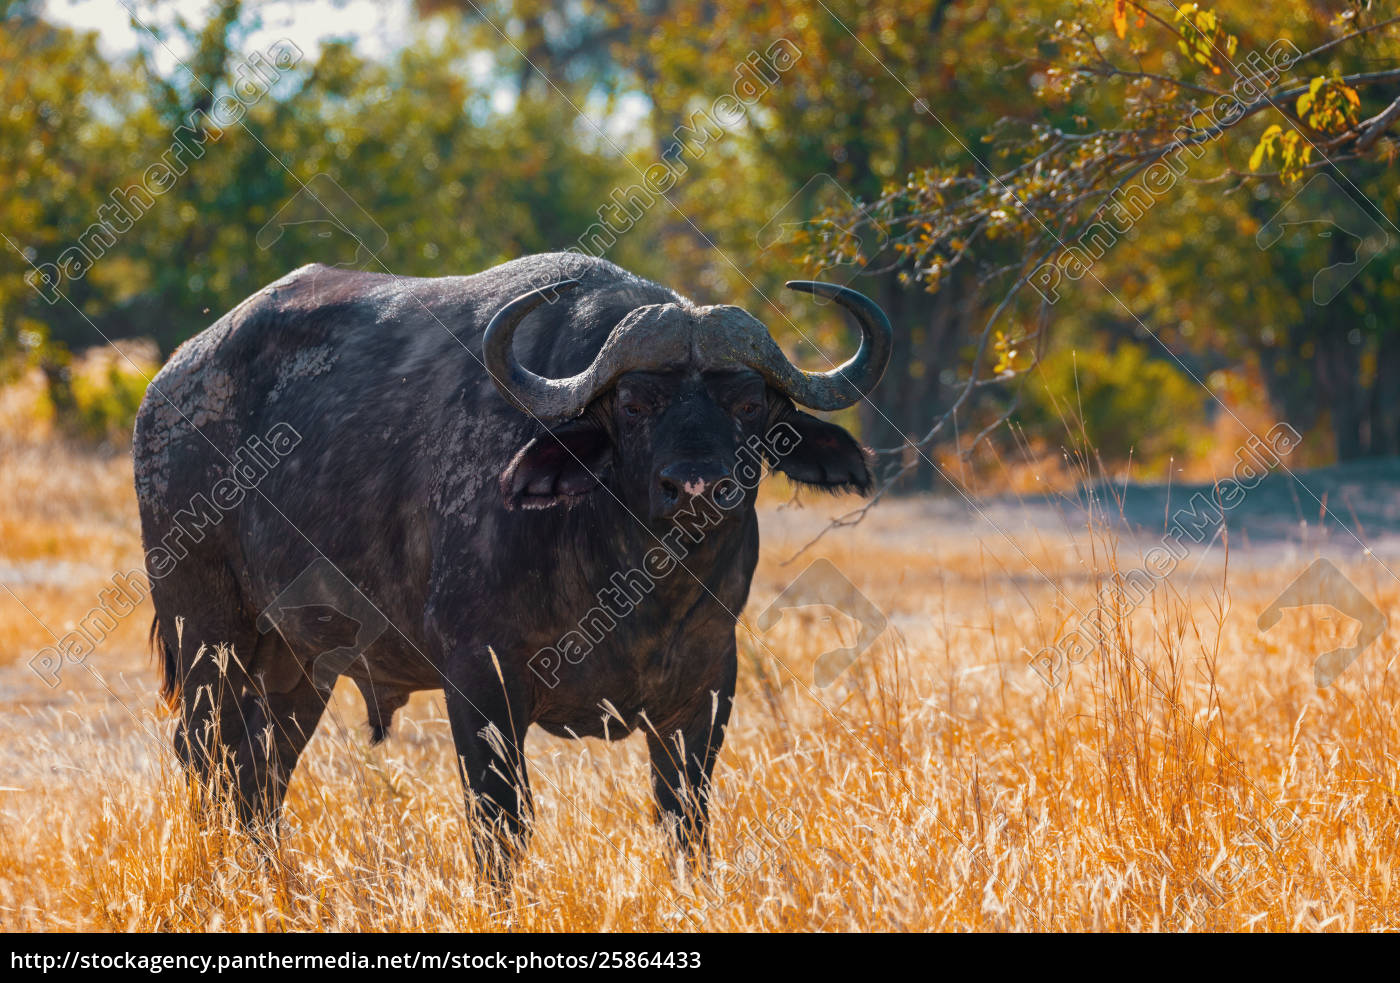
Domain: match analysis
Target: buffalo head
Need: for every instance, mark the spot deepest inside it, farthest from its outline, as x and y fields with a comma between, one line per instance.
x=665, y=410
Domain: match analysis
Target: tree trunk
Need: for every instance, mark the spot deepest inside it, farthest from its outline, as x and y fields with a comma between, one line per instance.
x=1338, y=365
x=1384, y=405
x=927, y=335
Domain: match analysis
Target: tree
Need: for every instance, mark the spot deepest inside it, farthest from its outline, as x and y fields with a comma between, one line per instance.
x=781, y=195
x=427, y=177
x=1142, y=100
x=54, y=158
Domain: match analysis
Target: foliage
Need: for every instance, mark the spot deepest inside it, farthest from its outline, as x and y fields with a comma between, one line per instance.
x=413, y=143
x=936, y=155
x=1119, y=404
x=1130, y=147
x=105, y=405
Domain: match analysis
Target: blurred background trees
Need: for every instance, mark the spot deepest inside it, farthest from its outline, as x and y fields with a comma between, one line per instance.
x=935, y=154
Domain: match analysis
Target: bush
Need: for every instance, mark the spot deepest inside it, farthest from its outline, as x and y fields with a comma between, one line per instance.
x=1125, y=403
x=101, y=406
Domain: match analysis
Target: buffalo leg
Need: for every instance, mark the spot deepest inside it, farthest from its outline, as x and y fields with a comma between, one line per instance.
x=682, y=763
x=280, y=720
x=489, y=717
x=210, y=640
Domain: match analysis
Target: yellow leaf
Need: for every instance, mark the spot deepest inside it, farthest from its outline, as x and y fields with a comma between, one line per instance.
x=1120, y=18
x=1265, y=147
x=1257, y=158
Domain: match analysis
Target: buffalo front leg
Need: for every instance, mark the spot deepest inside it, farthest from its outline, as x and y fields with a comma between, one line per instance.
x=683, y=761
x=489, y=713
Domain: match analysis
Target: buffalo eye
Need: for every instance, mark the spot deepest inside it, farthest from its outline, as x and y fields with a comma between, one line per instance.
x=749, y=409
x=632, y=411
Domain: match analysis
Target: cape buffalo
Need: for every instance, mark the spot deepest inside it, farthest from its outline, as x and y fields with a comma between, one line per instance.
x=452, y=474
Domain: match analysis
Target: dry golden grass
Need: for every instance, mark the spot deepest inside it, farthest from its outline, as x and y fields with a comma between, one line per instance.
x=937, y=785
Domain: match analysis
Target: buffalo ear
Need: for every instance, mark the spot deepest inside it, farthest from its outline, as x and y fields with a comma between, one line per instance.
x=825, y=456
x=557, y=468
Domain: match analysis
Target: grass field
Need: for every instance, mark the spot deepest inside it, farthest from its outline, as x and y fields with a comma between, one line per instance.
x=1187, y=775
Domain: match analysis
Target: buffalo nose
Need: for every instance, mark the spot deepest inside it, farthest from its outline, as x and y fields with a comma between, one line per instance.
x=677, y=483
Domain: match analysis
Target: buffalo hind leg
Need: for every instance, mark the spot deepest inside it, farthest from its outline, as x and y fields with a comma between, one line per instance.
x=282, y=711
x=211, y=641
x=682, y=764
x=489, y=717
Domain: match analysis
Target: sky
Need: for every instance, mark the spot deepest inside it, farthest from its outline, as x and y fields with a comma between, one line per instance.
x=379, y=27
